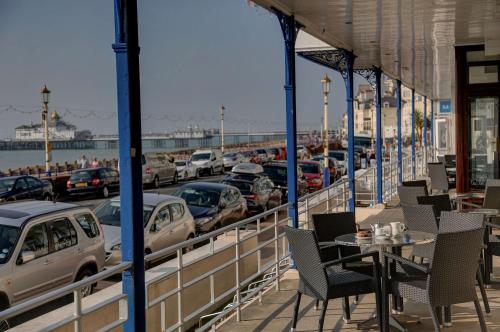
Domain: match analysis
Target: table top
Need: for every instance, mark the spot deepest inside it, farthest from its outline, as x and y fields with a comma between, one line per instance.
x=408, y=238
x=488, y=212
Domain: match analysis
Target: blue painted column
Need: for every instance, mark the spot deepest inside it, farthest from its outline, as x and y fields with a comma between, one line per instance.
x=126, y=47
x=413, y=147
x=348, y=76
x=425, y=124
x=432, y=130
x=400, y=135
x=379, y=142
x=290, y=29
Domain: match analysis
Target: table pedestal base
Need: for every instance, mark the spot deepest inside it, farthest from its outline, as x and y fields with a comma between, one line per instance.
x=371, y=322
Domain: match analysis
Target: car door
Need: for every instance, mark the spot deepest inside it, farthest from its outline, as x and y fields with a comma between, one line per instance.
x=32, y=277
x=237, y=206
x=180, y=229
x=21, y=189
x=35, y=187
x=115, y=178
x=160, y=229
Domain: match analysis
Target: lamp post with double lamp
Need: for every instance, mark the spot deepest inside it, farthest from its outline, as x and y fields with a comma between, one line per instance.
x=45, y=118
x=222, y=109
x=326, y=90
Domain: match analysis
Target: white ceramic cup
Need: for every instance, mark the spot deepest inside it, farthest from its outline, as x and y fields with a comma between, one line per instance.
x=379, y=231
x=387, y=230
x=397, y=228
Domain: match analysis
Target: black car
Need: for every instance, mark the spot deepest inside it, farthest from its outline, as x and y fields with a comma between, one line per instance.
x=213, y=205
x=258, y=190
x=278, y=172
x=99, y=181
x=14, y=188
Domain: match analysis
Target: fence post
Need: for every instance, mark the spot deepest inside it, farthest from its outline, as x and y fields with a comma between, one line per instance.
x=276, y=251
x=237, y=268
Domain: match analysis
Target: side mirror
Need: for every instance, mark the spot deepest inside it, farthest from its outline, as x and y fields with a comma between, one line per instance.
x=222, y=206
x=154, y=228
x=26, y=256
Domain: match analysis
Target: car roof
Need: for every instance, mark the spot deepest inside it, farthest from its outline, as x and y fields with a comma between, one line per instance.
x=154, y=199
x=203, y=151
x=247, y=168
x=14, y=177
x=16, y=214
x=206, y=185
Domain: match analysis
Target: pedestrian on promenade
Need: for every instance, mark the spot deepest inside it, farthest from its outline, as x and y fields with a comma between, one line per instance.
x=83, y=162
x=95, y=163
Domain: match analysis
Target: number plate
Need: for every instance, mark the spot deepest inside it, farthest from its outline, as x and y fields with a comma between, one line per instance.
x=81, y=184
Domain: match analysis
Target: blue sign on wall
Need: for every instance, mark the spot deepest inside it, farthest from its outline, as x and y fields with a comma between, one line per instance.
x=445, y=106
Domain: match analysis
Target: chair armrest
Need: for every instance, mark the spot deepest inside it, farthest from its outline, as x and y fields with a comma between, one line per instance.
x=489, y=224
x=459, y=201
x=356, y=257
x=406, y=261
x=328, y=244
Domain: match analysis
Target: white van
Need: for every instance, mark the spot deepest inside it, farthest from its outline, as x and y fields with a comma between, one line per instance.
x=208, y=161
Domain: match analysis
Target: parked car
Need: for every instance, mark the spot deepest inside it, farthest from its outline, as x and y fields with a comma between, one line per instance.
x=282, y=153
x=44, y=246
x=13, y=188
x=93, y=181
x=158, y=168
x=186, y=170
x=208, y=161
x=301, y=151
x=277, y=171
x=251, y=157
x=334, y=167
x=231, y=159
x=213, y=205
x=258, y=190
x=341, y=157
x=313, y=174
x=274, y=153
x=248, y=168
x=262, y=153
x=167, y=221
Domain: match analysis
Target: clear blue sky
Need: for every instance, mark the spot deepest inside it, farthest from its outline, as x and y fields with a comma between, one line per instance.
x=195, y=55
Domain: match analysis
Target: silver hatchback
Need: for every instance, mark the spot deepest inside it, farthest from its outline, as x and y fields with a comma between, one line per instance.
x=45, y=245
x=167, y=221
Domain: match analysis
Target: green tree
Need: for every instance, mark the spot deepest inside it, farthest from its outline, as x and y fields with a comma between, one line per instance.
x=419, y=125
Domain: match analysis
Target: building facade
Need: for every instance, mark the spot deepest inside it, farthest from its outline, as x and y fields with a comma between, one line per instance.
x=58, y=130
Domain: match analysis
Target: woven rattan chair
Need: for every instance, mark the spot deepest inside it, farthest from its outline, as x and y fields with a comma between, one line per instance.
x=421, y=218
x=450, y=277
x=408, y=195
x=325, y=281
x=416, y=183
x=440, y=202
x=439, y=177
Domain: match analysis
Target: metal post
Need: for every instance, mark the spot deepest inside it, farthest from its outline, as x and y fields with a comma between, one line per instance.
x=126, y=47
x=425, y=131
x=290, y=29
x=413, y=147
x=222, y=108
x=379, y=142
x=432, y=131
x=326, y=171
x=400, y=140
x=45, y=119
x=348, y=76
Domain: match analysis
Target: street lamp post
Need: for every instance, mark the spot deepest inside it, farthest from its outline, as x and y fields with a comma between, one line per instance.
x=45, y=118
x=222, y=108
x=326, y=90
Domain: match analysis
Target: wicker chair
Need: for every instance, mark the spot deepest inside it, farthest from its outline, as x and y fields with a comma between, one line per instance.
x=450, y=277
x=439, y=177
x=408, y=195
x=440, y=202
x=416, y=183
x=421, y=218
x=327, y=280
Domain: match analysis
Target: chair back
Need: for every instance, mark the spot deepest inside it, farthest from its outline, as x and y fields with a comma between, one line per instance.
x=441, y=159
x=408, y=195
x=453, y=221
x=441, y=202
x=416, y=183
x=454, y=266
x=439, y=178
x=330, y=225
x=420, y=218
x=491, y=195
x=450, y=159
x=305, y=253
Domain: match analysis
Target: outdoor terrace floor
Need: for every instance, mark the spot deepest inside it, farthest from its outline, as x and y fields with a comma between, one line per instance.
x=275, y=311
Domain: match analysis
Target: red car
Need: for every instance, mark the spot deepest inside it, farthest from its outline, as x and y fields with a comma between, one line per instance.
x=313, y=174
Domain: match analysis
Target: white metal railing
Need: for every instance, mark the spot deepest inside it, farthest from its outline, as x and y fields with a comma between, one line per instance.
x=245, y=288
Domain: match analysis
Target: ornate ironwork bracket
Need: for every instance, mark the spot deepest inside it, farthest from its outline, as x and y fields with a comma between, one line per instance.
x=337, y=59
x=288, y=25
x=370, y=75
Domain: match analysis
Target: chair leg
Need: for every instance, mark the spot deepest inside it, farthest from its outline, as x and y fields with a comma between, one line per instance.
x=435, y=320
x=296, y=311
x=487, y=269
x=322, y=316
x=347, y=310
x=356, y=299
x=316, y=305
x=483, y=292
x=447, y=316
x=480, y=315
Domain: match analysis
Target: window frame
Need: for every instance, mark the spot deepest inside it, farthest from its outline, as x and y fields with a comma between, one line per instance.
x=45, y=228
x=51, y=239
x=76, y=216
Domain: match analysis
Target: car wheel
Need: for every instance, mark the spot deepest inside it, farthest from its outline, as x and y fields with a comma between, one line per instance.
x=87, y=290
x=156, y=182
x=188, y=248
x=105, y=192
x=175, y=179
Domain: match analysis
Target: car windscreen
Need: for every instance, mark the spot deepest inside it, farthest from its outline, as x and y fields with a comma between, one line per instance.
x=109, y=213
x=6, y=184
x=310, y=168
x=274, y=172
x=180, y=163
x=200, y=156
x=337, y=155
x=230, y=155
x=199, y=197
x=87, y=175
x=244, y=187
x=8, y=239
x=261, y=151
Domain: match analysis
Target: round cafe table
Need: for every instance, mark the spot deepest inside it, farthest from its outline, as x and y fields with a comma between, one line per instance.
x=383, y=244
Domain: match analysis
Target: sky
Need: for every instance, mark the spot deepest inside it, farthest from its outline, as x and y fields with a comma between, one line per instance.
x=195, y=56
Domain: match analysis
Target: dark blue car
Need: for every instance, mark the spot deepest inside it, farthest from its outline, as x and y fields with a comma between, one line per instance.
x=13, y=188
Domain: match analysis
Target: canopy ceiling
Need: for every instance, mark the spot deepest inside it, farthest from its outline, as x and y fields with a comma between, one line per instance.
x=411, y=40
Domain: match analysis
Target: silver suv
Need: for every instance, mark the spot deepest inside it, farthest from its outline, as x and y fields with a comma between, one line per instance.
x=45, y=245
x=167, y=221
x=157, y=168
